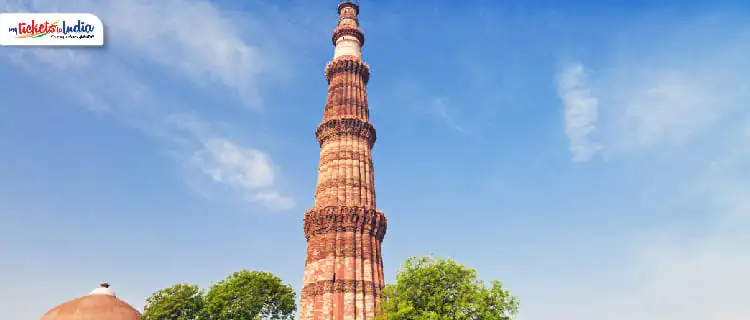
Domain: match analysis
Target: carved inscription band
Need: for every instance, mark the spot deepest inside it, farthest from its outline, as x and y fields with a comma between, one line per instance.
x=361, y=156
x=348, y=65
x=333, y=87
x=340, y=286
x=342, y=219
x=346, y=247
x=339, y=127
x=336, y=183
x=339, y=100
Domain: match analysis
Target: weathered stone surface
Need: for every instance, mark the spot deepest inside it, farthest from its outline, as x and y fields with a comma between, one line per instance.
x=340, y=286
x=349, y=127
x=348, y=64
x=339, y=219
x=344, y=230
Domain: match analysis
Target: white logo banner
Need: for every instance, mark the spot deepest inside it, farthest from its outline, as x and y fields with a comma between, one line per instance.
x=51, y=29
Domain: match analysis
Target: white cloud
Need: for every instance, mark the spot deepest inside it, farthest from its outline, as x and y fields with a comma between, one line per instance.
x=226, y=162
x=689, y=109
x=660, y=107
x=703, y=279
x=245, y=169
x=672, y=274
x=192, y=37
x=448, y=114
x=669, y=94
x=197, y=42
x=675, y=271
x=580, y=111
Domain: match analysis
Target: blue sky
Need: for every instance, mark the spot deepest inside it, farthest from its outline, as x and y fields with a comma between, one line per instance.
x=593, y=157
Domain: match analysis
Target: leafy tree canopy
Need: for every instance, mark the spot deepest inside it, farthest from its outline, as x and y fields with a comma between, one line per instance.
x=430, y=288
x=178, y=302
x=244, y=295
x=251, y=295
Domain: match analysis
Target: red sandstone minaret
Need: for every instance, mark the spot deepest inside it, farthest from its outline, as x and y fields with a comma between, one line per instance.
x=344, y=230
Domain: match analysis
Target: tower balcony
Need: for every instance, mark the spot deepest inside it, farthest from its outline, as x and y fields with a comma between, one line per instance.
x=343, y=31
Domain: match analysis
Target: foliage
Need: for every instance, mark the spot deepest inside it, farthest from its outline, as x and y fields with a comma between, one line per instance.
x=178, y=302
x=251, y=295
x=430, y=288
x=244, y=295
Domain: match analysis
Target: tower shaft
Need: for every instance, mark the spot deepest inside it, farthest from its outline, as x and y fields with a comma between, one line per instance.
x=344, y=230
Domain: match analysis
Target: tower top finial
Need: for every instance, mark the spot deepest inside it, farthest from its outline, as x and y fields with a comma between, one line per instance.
x=349, y=3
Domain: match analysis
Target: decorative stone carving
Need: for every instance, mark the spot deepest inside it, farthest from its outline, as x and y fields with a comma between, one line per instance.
x=347, y=245
x=320, y=221
x=343, y=85
x=340, y=286
x=336, y=182
x=348, y=31
x=352, y=127
x=348, y=65
x=363, y=158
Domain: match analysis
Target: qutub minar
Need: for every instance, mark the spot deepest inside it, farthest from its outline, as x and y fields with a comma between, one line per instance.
x=344, y=230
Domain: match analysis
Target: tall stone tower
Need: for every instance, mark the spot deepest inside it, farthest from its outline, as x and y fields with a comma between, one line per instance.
x=344, y=230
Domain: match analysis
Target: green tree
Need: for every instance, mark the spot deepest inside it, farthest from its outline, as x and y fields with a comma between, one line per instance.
x=430, y=288
x=250, y=295
x=178, y=302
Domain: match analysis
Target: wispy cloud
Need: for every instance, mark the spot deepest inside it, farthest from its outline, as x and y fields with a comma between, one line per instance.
x=445, y=112
x=668, y=95
x=409, y=92
x=687, y=107
x=246, y=170
x=216, y=58
x=668, y=106
x=581, y=111
x=191, y=37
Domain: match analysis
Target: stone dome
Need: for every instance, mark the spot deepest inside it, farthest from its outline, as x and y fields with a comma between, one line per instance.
x=100, y=304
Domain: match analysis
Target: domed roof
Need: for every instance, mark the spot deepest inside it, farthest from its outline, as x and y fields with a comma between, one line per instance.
x=100, y=304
